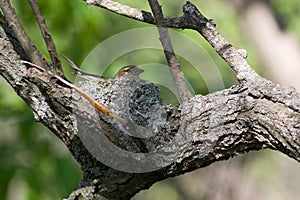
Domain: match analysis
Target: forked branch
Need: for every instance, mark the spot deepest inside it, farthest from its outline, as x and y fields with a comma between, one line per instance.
x=191, y=19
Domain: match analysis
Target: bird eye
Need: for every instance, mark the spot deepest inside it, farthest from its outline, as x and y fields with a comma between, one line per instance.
x=127, y=69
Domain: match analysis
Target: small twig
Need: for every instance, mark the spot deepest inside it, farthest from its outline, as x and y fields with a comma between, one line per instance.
x=20, y=33
x=121, y=9
x=47, y=38
x=177, y=74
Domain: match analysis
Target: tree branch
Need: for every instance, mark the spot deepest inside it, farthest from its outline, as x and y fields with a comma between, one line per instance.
x=134, y=13
x=47, y=38
x=177, y=74
x=235, y=58
x=123, y=10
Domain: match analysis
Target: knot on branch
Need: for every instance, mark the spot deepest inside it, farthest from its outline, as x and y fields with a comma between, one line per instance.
x=194, y=18
x=192, y=13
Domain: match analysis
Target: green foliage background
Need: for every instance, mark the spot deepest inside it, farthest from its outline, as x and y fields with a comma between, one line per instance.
x=34, y=164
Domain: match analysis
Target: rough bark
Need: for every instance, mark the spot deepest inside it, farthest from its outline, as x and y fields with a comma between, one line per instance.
x=254, y=115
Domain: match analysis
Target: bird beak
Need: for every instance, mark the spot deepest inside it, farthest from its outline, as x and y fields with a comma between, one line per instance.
x=138, y=71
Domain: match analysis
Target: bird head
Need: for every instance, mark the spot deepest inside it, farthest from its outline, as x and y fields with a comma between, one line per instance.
x=130, y=71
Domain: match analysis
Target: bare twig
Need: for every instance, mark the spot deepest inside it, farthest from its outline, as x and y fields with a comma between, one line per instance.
x=47, y=38
x=20, y=34
x=177, y=74
x=122, y=9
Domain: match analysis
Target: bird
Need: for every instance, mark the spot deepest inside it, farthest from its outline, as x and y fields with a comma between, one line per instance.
x=129, y=71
